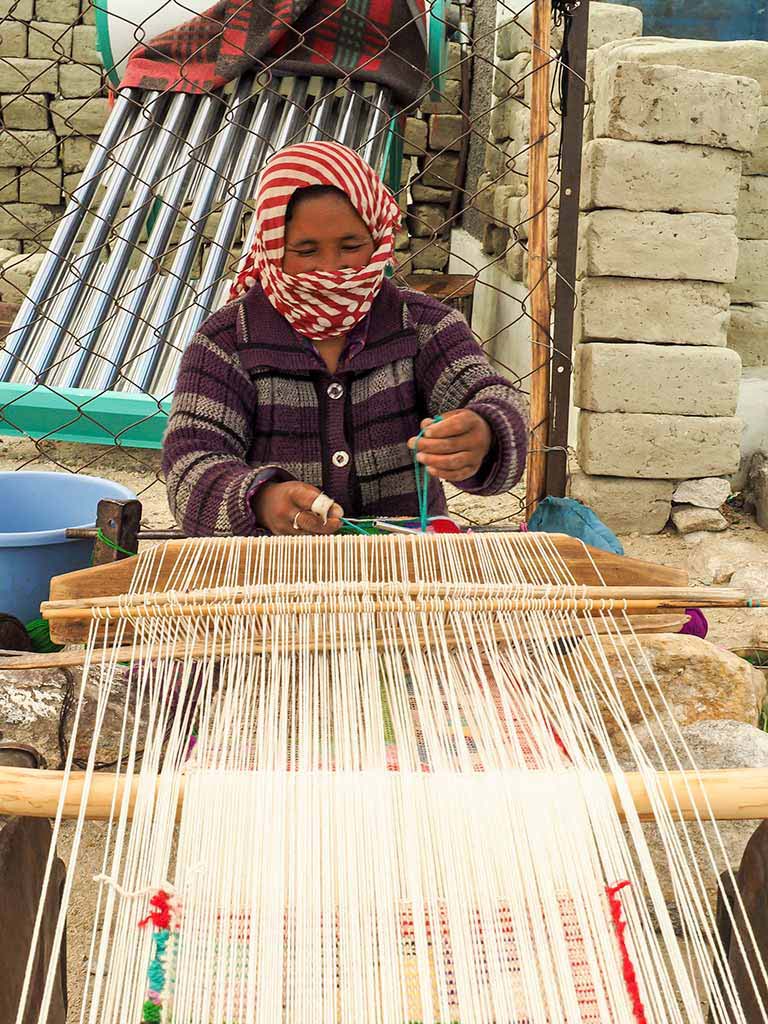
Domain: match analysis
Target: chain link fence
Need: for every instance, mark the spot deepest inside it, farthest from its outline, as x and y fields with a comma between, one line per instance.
x=125, y=211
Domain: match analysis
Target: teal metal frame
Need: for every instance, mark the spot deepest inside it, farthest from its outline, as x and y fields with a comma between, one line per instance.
x=138, y=420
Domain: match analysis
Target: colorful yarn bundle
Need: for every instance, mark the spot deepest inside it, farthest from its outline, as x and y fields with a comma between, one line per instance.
x=165, y=919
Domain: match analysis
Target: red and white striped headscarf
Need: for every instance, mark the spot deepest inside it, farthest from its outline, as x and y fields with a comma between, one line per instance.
x=320, y=304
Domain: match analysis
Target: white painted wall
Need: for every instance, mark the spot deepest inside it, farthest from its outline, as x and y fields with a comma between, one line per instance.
x=752, y=408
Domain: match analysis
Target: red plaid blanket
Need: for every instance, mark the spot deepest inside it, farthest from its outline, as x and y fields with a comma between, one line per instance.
x=378, y=41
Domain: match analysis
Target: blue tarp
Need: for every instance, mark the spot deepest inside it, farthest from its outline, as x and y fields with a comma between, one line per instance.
x=705, y=19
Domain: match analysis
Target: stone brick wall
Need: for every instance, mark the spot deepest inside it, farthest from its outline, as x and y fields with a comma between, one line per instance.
x=52, y=105
x=673, y=272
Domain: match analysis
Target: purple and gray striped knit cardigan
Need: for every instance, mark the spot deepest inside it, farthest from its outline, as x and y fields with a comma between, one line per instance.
x=254, y=402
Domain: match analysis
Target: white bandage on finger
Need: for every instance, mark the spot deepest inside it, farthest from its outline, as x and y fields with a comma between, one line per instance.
x=321, y=506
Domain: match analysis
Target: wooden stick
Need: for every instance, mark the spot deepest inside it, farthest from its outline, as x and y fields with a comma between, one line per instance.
x=739, y=794
x=538, y=254
x=10, y=661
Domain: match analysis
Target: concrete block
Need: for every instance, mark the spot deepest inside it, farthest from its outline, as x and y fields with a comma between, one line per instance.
x=9, y=185
x=430, y=257
x=495, y=158
x=13, y=38
x=647, y=103
x=752, y=214
x=82, y=80
x=446, y=131
x=448, y=102
x=86, y=117
x=678, y=379
x=751, y=284
x=495, y=240
x=20, y=74
x=655, y=447
x=415, y=137
x=41, y=186
x=692, y=519
x=402, y=238
x=21, y=149
x=25, y=111
x=655, y=312
x=650, y=176
x=75, y=153
x=84, y=45
x=67, y=11
x=748, y=334
x=624, y=505
x=440, y=171
x=88, y=10
x=26, y=220
x=17, y=275
x=426, y=221
x=50, y=40
x=609, y=22
x=509, y=77
x=663, y=246
x=515, y=35
x=21, y=10
x=514, y=260
x=756, y=162
x=453, y=62
x=425, y=194
x=747, y=58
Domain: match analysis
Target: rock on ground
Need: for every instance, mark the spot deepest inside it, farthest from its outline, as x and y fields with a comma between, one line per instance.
x=706, y=492
x=690, y=518
x=757, y=488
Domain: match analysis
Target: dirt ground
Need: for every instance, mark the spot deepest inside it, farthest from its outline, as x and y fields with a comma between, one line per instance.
x=140, y=471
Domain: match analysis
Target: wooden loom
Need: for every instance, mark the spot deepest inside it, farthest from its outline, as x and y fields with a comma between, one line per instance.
x=609, y=596
x=652, y=598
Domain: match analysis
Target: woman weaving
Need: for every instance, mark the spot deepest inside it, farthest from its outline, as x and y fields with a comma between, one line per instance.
x=320, y=377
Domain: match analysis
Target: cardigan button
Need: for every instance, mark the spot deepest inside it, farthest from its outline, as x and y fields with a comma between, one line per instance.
x=335, y=390
x=340, y=459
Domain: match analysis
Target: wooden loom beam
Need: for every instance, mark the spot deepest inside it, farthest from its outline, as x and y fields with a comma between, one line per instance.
x=739, y=794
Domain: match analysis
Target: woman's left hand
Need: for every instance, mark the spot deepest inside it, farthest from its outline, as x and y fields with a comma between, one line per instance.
x=454, y=448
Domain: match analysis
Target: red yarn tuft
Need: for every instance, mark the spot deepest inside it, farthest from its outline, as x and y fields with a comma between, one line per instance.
x=628, y=969
x=161, y=915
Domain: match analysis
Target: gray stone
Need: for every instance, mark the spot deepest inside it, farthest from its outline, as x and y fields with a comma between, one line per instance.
x=21, y=10
x=624, y=505
x=639, y=378
x=415, y=138
x=673, y=246
x=58, y=10
x=706, y=492
x=714, y=560
x=495, y=240
x=84, y=116
x=26, y=220
x=514, y=262
x=514, y=36
x=29, y=112
x=440, y=171
x=41, y=186
x=752, y=214
x=656, y=447
x=19, y=74
x=453, y=62
x=83, y=80
x=75, y=153
x=424, y=194
x=13, y=38
x=691, y=519
x=509, y=120
x=9, y=185
x=658, y=312
x=430, y=257
x=757, y=492
x=750, y=580
x=647, y=103
x=50, y=40
x=748, y=334
x=24, y=149
x=446, y=131
x=610, y=22
x=751, y=284
x=650, y=176
x=747, y=58
x=402, y=240
x=509, y=76
x=84, y=49
x=756, y=162
x=447, y=102
x=426, y=221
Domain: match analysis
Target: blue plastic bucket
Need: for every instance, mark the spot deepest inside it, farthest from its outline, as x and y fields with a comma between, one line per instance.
x=35, y=511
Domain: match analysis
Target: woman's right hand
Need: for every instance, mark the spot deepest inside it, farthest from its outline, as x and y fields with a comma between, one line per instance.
x=284, y=508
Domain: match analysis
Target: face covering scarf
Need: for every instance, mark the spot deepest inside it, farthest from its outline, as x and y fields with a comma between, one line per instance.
x=321, y=304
